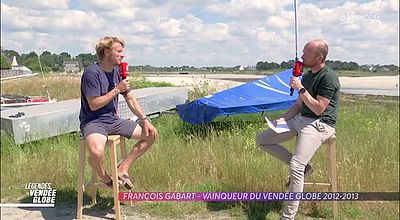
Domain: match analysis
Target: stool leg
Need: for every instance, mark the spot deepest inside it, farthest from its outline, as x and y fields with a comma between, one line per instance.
x=81, y=176
x=123, y=155
x=333, y=173
x=93, y=193
x=113, y=158
x=123, y=147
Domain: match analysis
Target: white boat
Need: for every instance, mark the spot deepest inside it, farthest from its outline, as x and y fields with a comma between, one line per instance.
x=12, y=100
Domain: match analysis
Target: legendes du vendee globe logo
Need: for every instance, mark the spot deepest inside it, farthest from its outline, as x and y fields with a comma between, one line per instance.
x=41, y=193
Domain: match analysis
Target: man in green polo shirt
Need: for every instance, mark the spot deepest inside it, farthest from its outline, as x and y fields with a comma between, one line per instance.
x=312, y=119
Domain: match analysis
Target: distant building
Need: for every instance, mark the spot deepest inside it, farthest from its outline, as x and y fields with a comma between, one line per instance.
x=251, y=67
x=241, y=67
x=14, y=62
x=16, y=70
x=71, y=66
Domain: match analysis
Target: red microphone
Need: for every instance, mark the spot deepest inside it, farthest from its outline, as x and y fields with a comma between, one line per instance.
x=297, y=71
x=123, y=69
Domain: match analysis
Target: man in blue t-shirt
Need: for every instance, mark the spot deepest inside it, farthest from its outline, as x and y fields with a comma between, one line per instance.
x=312, y=118
x=101, y=84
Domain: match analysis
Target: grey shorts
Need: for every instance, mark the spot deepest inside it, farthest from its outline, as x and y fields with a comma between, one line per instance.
x=121, y=127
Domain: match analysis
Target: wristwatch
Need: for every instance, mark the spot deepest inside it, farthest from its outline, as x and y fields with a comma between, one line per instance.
x=302, y=90
x=140, y=121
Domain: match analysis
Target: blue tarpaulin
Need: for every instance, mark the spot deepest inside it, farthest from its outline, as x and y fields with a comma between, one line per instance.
x=266, y=94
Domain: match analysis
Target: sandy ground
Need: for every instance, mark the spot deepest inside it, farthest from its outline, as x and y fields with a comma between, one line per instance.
x=217, y=81
x=69, y=213
x=50, y=213
x=373, y=82
x=222, y=81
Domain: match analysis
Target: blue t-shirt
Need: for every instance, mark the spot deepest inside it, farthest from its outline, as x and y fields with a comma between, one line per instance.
x=96, y=82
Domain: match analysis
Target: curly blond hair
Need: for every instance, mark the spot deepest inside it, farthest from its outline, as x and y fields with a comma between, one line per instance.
x=106, y=43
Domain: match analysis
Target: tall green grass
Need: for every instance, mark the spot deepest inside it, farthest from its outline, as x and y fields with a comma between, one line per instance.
x=138, y=81
x=59, y=87
x=223, y=157
x=63, y=87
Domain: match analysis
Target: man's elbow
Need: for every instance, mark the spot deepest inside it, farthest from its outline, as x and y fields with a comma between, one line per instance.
x=321, y=106
x=93, y=107
x=319, y=111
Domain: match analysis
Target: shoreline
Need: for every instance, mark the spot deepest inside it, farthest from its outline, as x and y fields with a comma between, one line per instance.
x=370, y=82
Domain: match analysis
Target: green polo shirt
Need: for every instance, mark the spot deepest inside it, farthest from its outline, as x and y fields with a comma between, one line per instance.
x=324, y=83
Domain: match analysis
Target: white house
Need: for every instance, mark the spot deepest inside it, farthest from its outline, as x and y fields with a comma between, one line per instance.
x=71, y=66
x=16, y=70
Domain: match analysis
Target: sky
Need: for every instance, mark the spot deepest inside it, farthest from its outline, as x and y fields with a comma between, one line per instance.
x=203, y=33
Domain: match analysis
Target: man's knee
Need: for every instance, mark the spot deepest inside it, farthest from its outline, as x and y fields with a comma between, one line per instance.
x=259, y=139
x=96, y=151
x=262, y=141
x=95, y=145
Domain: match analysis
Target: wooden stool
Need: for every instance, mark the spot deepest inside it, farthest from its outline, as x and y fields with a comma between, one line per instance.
x=113, y=141
x=331, y=142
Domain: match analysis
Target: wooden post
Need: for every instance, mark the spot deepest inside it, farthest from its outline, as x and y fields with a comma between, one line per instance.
x=333, y=172
x=81, y=176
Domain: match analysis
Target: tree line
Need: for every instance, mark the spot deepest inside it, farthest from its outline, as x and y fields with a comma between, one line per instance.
x=49, y=62
x=55, y=63
x=336, y=65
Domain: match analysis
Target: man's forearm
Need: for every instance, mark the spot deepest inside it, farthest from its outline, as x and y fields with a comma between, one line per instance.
x=96, y=103
x=317, y=106
x=294, y=110
x=134, y=106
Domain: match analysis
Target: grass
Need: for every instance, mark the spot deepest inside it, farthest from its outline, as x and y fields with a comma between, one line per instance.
x=60, y=87
x=138, y=82
x=63, y=87
x=223, y=157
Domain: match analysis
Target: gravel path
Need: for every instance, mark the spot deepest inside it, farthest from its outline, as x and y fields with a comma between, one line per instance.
x=69, y=213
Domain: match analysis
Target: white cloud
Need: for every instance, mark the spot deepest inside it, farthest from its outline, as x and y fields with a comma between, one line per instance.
x=216, y=32
x=50, y=21
x=192, y=23
x=73, y=20
x=279, y=22
x=169, y=27
x=244, y=8
x=139, y=27
x=42, y=5
x=16, y=39
x=17, y=22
